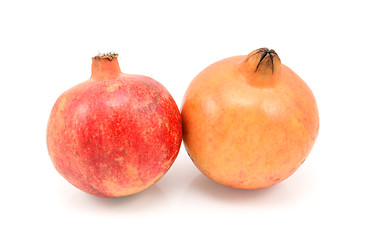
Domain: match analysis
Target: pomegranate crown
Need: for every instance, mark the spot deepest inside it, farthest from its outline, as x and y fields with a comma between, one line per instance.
x=109, y=55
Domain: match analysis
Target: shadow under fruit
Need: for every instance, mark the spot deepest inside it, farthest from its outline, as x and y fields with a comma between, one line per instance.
x=249, y=121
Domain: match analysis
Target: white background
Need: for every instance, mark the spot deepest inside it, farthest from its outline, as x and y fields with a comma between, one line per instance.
x=46, y=48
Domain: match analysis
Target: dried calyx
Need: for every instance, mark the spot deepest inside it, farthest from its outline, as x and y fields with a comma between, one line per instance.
x=105, y=66
x=261, y=67
x=267, y=55
x=109, y=55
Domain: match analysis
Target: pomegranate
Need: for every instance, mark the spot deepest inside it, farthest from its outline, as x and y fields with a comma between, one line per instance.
x=249, y=121
x=115, y=134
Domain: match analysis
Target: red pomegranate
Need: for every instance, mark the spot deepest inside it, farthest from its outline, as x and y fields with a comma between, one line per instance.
x=115, y=134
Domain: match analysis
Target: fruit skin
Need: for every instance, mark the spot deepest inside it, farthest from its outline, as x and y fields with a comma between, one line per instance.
x=249, y=121
x=115, y=134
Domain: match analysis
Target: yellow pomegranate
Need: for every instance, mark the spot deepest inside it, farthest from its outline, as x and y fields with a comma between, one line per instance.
x=249, y=121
